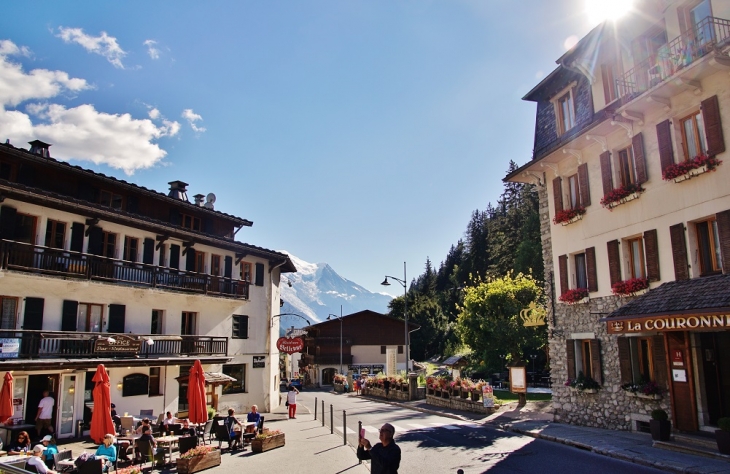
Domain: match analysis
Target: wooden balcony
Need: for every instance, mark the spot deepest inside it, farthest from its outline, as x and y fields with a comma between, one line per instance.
x=47, y=261
x=327, y=359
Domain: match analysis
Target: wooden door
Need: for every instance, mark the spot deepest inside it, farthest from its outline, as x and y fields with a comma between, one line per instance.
x=684, y=405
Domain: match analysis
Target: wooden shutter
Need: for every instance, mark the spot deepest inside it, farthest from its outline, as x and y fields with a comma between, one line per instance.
x=132, y=204
x=175, y=256
x=651, y=247
x=190, y=259
x=664, y=137
x=713, y=126
x=228, y=267
x=679, y=252
x=659, y=360
x=116, y=318
x=68, y=315
x=558, y=194
x=591, y=270
x=77, y=237
x=570, y=356
x=614, y=262
x=96, y=240
x=637, y=143
x=585, y=189
x=148, y=252
x=596, y=360
x=382, y=349
x=259, y=274
x=33, y=315
x=723, y=231
x=624, y=359
x=7, y=222
x=240, y=326
x=563, y=267
x=175, y=217
x=606, y=172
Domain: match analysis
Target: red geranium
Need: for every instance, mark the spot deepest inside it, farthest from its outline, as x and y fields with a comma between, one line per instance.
x=573, y=296
x=679, y=169
x=630, y=287
x=567, y=214
x=620, y=193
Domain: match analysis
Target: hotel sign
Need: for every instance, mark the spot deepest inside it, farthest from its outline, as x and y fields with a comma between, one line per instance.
x=669, y=323
x=118, y=343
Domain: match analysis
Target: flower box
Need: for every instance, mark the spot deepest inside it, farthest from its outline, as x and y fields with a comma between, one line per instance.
x=589, y=391
x=630, y=287
x=259, y=445
x=621, y=195
x=568, y=216
x=464, y=394
x=688, y=169
x=199, y=463
x=623, y=200
x=474, y=396
x=575, y=296
x=575, y=219
x=691, y=174
x=653, y=396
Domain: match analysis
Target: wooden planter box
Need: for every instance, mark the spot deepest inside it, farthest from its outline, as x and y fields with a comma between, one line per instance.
x=474, y=396
x=262, y=445
x=198, y=463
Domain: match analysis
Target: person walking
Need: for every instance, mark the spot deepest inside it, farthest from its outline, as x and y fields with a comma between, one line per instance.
x=43, y=418
x=385, y=456
x=386, y=386
x=291, y=400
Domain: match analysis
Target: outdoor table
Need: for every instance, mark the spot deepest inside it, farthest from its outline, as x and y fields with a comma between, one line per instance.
x=167, y=441
x=123, y=443
x=16, y=460
x=66, y=464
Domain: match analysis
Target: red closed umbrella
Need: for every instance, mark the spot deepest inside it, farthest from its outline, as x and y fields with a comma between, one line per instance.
x=197, y=411
x=6, y=398
x=101, y=418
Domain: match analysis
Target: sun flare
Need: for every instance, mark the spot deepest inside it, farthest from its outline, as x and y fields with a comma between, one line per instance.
x=599, y=10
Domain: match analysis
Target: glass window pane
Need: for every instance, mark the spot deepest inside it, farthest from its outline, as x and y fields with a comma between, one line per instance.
x=95, y=321
x=637, y=270
x=581, y=279
x=716, y=239
x=689, y=136
x=81, y=322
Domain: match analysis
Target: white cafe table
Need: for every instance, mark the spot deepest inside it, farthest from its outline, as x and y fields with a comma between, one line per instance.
x=15, y=460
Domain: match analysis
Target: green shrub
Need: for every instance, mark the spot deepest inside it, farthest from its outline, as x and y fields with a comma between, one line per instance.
x=211, y=413
x=723, y=424
x=659, y=415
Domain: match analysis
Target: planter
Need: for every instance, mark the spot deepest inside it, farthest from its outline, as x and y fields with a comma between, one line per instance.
x=464, y=394
x=339, y=387
x=660, y=429
x=654, y=396
x=271, y=442
x=589, y=391
x=198, y=463
x=444, y=394
x=570, y=221
x=723, y=441
x=474, y=396
x=691, y=174
x=623, y=200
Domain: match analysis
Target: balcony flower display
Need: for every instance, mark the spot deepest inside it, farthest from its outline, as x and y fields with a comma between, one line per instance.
x=682, y=168
x=339, y=378
x=566, y=215
x=630, y=287
x=616, y=196
x=573, y=296
x=647, y=388
x=583, y=384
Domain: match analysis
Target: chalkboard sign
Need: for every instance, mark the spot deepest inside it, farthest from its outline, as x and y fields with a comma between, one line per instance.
x=135, y=384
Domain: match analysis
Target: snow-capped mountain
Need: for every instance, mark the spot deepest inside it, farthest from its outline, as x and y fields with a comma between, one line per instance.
x=317, y=290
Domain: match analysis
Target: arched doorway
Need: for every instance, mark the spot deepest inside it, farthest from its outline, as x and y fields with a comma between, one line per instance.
x=328, y=376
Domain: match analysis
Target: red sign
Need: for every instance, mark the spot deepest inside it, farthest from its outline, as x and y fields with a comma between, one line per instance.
x=290, y=345
x=677, y=357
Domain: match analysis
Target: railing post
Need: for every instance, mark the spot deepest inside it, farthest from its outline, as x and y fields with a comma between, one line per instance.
x=315, y=408
x=332, y=419
x=344, y=427
x=359, y=437
x=323, y=413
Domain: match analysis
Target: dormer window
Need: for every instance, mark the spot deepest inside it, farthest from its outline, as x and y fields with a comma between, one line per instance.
x=564, y=103
x=110, y=199
x=190, y=222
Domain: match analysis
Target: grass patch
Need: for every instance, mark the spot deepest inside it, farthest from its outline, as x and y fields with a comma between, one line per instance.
x=506, y=396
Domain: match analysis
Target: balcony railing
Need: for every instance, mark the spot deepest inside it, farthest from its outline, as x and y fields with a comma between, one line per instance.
x=74, y=345
x=674, y=56
x=45, y=260
x=327, y=359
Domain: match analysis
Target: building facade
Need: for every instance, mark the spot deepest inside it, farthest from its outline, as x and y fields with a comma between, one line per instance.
x=98, y=270
x=635, y=216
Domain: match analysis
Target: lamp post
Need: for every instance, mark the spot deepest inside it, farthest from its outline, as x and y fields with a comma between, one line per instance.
x=340, y=318
x=405, y=309
x=533, y=357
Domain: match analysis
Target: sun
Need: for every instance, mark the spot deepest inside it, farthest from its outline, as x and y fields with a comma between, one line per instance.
x=599, y=10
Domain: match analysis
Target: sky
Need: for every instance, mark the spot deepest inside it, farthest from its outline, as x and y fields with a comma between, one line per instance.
x=358, y=133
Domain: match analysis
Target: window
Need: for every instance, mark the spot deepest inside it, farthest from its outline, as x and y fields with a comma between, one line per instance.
x=55, y=234
x=608, y=73
x=89, y=318
x=131, y=245
x=584, y=357
x=382, y=349
x=190, y=222
x=110, y=199
x=25, y=228
x=215, y=265
x=238, y=372
x=182, y=392
x=240, y=327
x=199, y=261
x=9, y=308
x=573, y=192
x=188, y=325
x=400, y=349
x=636, y=258
x=581, y=276
x=154, y=388
x=161, y=261
x=246, y=271
x=708, y=247
x=693, y=136
x=642, y=369
x=109, y=245
x=156, y=321
x=565, y=111
x=627, y=172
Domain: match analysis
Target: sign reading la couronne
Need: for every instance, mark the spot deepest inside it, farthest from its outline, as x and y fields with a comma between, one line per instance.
x=669, y=323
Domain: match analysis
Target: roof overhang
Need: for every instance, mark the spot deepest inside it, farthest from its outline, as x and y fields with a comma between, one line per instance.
x=56, y=364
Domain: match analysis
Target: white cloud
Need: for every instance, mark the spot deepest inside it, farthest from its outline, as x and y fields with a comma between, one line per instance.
x=8, y=48
x=151, y=49
x=103, y=45
x=192, y=117
x=153, y=113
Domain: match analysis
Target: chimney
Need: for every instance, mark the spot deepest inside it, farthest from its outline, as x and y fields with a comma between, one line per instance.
x=199, y=199
x=178, y=190
x=39, y=148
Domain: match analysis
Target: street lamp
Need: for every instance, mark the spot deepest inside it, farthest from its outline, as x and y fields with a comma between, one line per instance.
x=405, y=309
x=340, y=318
x=534, y=375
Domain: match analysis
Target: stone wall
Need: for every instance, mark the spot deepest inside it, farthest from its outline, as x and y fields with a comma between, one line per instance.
x=459, y=404
x=392, y=394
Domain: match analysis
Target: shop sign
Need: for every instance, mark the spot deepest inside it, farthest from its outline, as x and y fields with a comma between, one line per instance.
x=290, y=345
x=678, y=357
x=365, y=370
x=669, y=323
x=488, y=396
x=9, y=348
x=259, y=362
x=118, y=343
x=533, y=315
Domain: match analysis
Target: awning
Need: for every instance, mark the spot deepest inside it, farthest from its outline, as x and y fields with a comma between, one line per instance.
x=683, y=305
x=211, y=378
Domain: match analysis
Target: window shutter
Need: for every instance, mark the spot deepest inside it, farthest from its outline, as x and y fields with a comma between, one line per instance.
x=400, y=349
x=563, y=267
x=96, y=240
x=190, y=259
x=259, y=274
x=651, y=247
x=175, y=256
x=558, y=194
x=664, y=137
x=382, y=349
x=68, y=315
x=624, y=360
x=33, y=315
x=596, y=360
x=723, y=231
x=585, y=189
x=7, y=222
x=570, y=356
x=240, y=326
x=77, y=237
x=116, y=318
x=606, y=172
x=679, y=252
x=591, y=271
x=228, y=267
x=713, y=126
x=637, y=143
x=174, y=216
x=148, y=252
x=659, y=359
x=614, y=262
x=606, y=81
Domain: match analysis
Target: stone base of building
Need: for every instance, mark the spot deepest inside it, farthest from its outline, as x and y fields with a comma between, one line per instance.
x=393, y=394
x=459, y=404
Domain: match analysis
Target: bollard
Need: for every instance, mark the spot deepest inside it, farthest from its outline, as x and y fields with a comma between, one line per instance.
x=332, y=419
x=344, y=426
x=359, y=436
x=322, y=412
x=315, y=408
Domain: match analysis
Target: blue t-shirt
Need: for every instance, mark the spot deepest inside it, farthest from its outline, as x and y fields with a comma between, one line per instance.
x=256, y=417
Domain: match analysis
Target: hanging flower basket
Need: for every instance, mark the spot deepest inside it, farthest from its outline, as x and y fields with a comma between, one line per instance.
x=630, y=287
x=575, y=296
x=621, y=195
x=688, y=169
x=568, y=216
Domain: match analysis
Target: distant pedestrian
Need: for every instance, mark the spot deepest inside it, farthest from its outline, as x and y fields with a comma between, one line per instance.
x=385, y=456
x=43, y=418
x=291, y=399
x=386, y=386
x=357, y=386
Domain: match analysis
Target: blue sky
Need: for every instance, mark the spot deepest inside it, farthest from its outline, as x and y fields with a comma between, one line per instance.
x=357, y=133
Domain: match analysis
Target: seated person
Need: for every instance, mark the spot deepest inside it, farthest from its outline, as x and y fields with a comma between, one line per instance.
x=108, y=451
x=254, y=416
x=159, y=455
x=21, y=444
x=230, y=422
x=140, y=428
x=37, y=460
x=50, y=444
x=116, y=418
x=187, y=430
x=167, y=423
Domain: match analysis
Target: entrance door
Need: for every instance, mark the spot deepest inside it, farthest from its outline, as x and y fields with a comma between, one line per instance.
x=36, y=385
x=328, y=376
x=716, y=368
x=684, y=406
x=66, y=406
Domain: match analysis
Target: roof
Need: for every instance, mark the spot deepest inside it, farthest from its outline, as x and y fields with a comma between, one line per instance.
x=697, y=295
x=455, y=360
x=552, y=84
x=365, y=312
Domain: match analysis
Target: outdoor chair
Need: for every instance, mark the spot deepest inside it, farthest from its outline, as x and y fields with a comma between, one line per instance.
x=207, y=429
x=222, y=434
x=261, y=425
x=60, y=456
x=91, y=467
x=147, y=454
x=146, y=413
x=187, y=443
x=30, y=468
x=127, y=423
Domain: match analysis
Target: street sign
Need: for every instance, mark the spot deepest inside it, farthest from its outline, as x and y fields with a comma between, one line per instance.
x=290, y=345
x=518, y=379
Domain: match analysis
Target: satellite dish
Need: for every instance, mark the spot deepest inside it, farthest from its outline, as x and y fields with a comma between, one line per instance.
x=209, y=201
